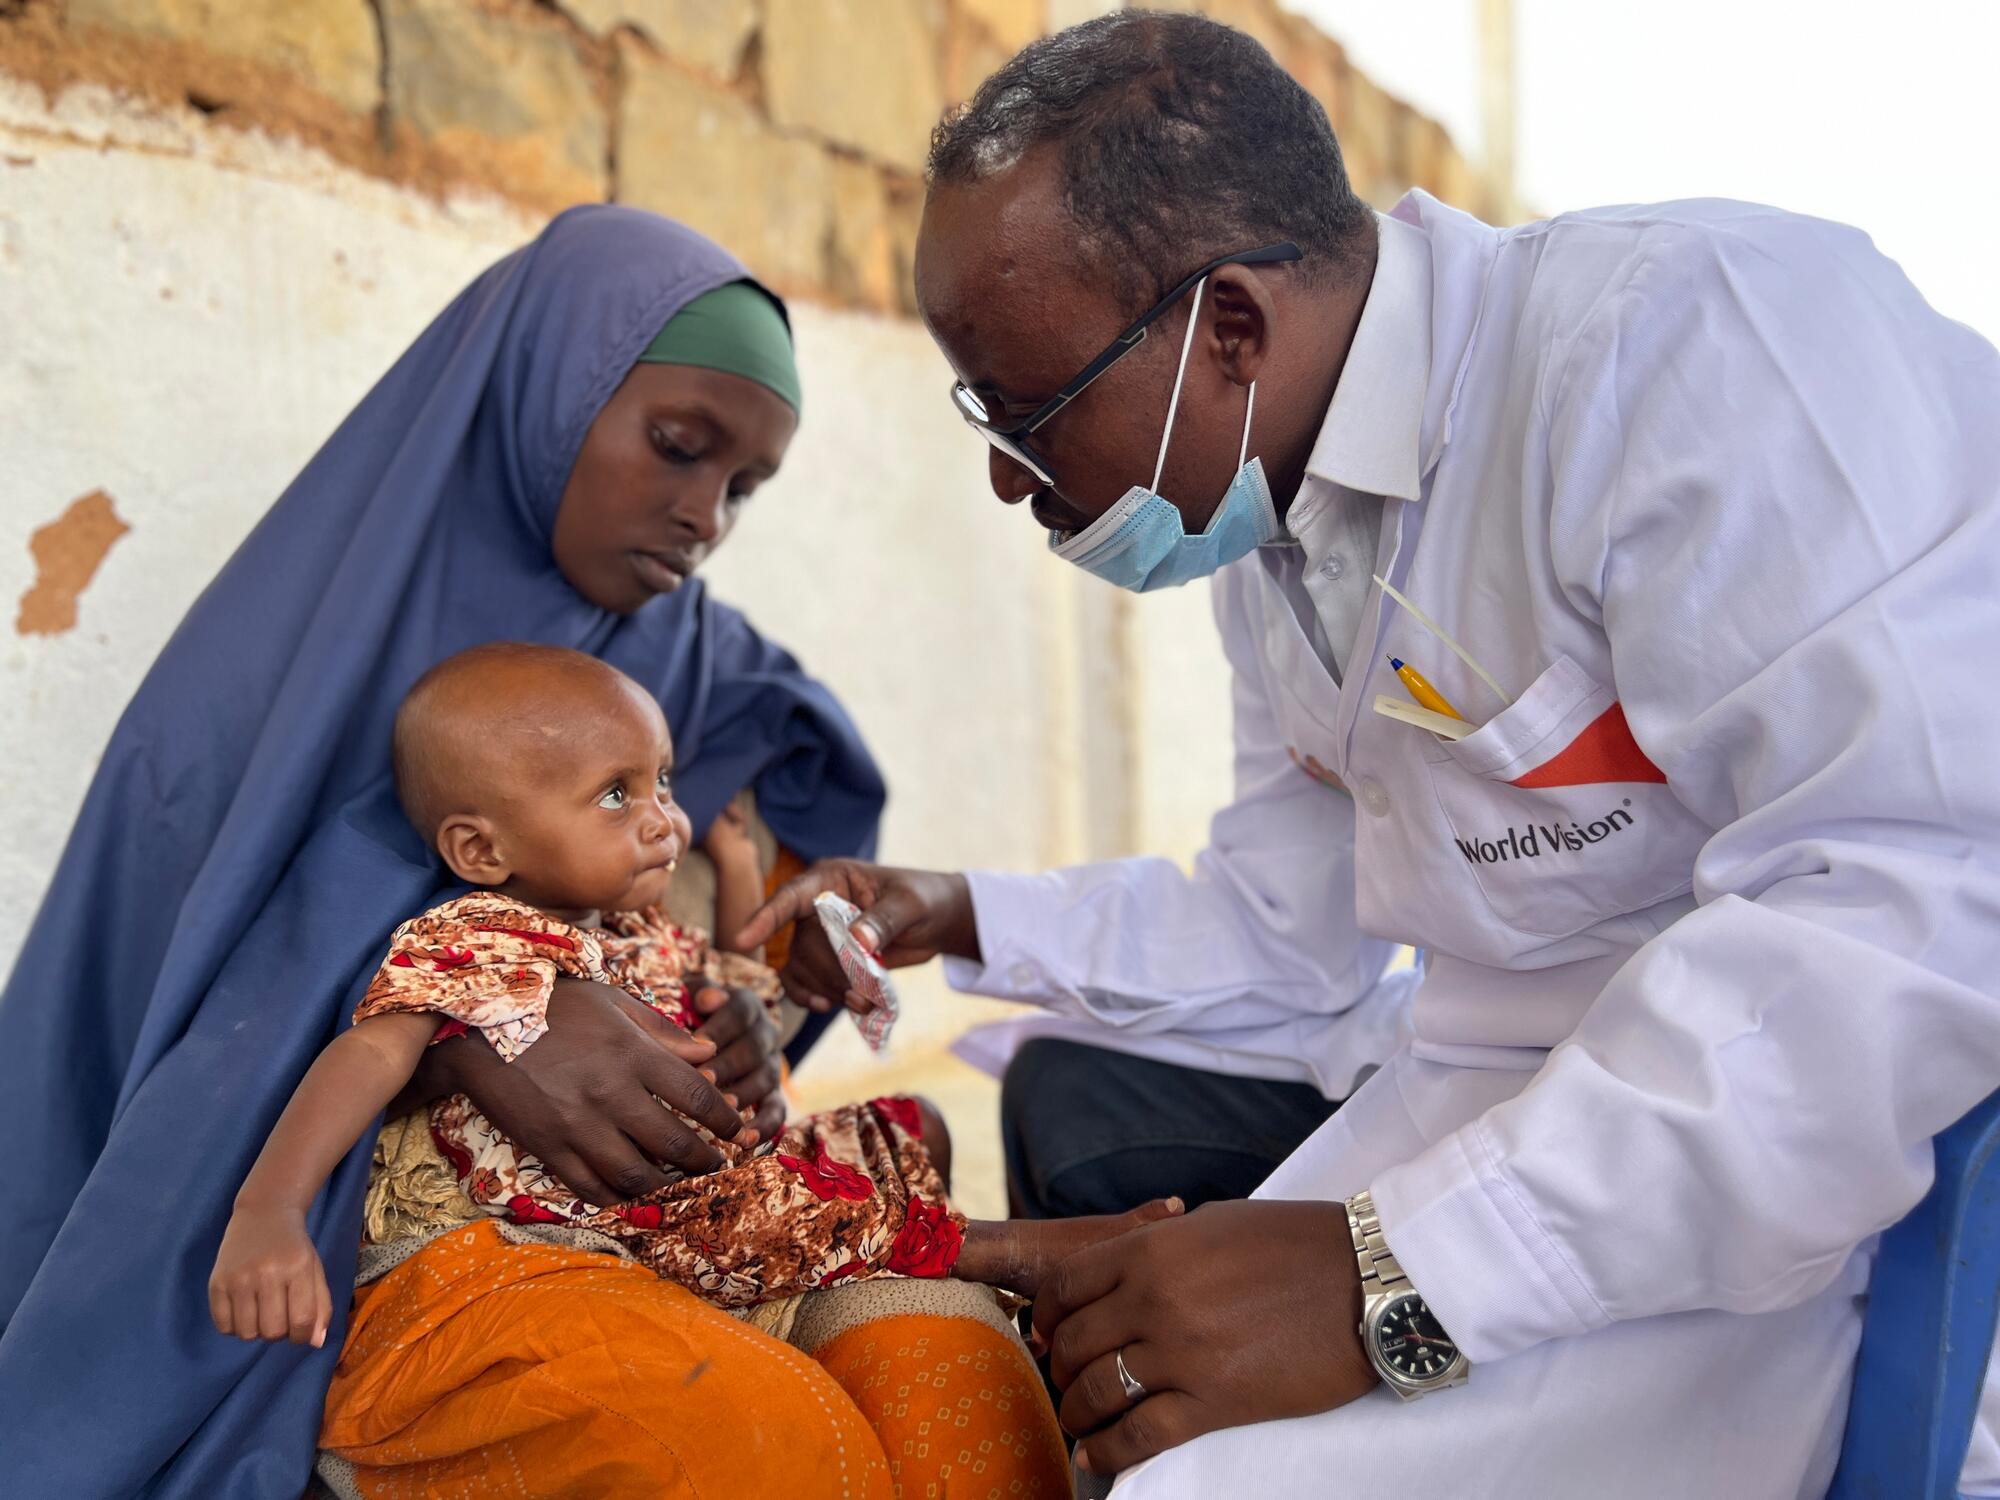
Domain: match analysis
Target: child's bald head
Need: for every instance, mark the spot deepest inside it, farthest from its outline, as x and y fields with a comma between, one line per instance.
x=505, y=747
x=480, y=724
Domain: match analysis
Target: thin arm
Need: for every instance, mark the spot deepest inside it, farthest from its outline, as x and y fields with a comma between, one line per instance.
x=347, y=1086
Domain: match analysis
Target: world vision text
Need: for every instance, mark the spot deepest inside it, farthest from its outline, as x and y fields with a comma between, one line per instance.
x=1543, y=838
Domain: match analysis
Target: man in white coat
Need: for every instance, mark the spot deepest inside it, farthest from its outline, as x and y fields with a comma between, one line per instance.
x=1688, y=516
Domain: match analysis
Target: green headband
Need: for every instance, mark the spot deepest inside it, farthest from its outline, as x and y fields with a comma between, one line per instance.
x=736, y=329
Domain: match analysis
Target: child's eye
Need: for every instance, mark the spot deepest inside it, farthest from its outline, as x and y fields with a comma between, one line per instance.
x=665, y=783
x=613, y=800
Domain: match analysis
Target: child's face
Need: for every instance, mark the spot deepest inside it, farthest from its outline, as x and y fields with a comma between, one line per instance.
x=593, y=824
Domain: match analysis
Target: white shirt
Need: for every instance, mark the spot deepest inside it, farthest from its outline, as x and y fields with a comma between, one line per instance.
x=1249, y=967
x=1715, y=497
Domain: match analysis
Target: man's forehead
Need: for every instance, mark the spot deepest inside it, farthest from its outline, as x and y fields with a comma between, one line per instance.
x=1002, y=286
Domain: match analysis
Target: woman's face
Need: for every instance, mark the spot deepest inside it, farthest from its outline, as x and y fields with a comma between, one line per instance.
x=663, y=473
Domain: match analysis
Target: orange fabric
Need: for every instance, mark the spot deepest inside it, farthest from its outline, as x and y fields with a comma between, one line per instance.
x=956, y=1406
x=786, y=866
x=479, y=1367
x=1605, y=751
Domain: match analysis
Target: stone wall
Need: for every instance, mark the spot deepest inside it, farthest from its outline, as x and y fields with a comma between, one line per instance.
x=221, y=220
x=792, y=131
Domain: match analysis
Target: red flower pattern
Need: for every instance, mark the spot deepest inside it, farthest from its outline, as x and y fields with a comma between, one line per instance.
x=901, y=1112
x=929, y=1242
x=841, y=1273
x=452, y=1151
x=828, y=1179
x=525, y=1210
x=868, y=1179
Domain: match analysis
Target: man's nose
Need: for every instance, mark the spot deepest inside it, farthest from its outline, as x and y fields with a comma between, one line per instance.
x=1010, y=481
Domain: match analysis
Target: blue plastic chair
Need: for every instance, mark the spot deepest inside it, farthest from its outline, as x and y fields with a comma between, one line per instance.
x=1929, y=1328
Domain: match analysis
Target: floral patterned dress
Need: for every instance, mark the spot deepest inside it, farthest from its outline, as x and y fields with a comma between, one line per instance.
x=844, y=1195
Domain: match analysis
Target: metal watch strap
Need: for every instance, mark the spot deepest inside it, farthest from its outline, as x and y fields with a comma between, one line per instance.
x=1380, y=1270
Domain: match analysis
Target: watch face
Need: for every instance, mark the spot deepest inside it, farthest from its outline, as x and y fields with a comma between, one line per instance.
x=1410, y=1340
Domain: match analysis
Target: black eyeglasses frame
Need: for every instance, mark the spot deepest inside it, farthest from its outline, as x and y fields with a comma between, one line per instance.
x=1012, y=441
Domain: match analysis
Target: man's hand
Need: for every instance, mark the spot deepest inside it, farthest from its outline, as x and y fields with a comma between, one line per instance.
x=908, y=917
x=586, y=1097
x=747, y=1050
x=1238, y=1313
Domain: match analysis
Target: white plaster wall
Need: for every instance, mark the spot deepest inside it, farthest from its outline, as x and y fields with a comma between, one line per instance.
x=185, y=313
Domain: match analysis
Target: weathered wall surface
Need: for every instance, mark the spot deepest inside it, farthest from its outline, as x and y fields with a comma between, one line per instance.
x=221, y=220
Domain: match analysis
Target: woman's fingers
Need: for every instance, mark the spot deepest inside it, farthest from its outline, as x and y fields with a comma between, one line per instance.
x=759, y=1084
x=219, y=1308
x=661, y=1138
x=580, y=1177
x=692, y=1049
x=770, y=1120
x=730, y=1013
x=674, y=1083
x=748, y=1054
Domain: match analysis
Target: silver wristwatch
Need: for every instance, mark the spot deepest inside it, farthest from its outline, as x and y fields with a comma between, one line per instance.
x=1406, y=1345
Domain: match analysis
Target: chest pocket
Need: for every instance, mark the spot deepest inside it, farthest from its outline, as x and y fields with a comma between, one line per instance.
x=1558, y=814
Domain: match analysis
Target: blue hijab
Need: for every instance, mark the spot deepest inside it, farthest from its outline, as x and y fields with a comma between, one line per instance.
x=240, y=861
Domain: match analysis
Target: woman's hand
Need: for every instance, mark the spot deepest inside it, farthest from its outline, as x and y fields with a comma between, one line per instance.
x=586, y=1097
x=908, y=917
x=747, y=1052
x=1238, y=1313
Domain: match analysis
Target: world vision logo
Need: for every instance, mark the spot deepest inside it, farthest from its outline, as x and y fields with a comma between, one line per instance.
x=1546, y=838
x=1604, y=752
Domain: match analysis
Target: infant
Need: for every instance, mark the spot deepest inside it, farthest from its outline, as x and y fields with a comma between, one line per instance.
x=543, y=778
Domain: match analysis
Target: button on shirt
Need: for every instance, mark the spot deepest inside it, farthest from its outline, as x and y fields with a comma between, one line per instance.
x=1714, y=497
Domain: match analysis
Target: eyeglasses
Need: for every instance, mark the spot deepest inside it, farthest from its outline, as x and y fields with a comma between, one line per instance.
x=1012, y=440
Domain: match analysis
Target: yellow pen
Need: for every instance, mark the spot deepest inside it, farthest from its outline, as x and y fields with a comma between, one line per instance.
x=1423, y=692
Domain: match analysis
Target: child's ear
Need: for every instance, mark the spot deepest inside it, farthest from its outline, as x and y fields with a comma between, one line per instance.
x=470, y=846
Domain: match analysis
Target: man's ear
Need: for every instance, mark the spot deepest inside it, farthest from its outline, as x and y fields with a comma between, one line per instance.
x=1243, y=314
x=471, y=847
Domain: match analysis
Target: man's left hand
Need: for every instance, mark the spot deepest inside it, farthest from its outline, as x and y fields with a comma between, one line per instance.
x=1238, y=1313
x=747, y=1052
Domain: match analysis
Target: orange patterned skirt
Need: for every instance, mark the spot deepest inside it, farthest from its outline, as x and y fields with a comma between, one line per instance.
x=480, y=1366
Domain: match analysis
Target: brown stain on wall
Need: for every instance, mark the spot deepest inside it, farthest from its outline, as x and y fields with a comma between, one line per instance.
x=67, y=552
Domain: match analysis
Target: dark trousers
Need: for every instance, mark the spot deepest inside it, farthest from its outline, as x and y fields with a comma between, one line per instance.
x=1088, y=1131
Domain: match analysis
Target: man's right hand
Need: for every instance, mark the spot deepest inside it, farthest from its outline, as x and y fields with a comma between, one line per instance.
x=908, y=917
x=586, y=1097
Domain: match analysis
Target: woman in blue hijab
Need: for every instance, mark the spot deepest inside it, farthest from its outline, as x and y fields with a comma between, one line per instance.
x=543, y=464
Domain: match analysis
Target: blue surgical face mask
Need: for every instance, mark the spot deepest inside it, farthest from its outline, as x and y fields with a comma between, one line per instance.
x=1139, y=543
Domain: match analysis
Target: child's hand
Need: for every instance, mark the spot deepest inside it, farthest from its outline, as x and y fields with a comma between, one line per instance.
x=268, y=1282
x=729, y=838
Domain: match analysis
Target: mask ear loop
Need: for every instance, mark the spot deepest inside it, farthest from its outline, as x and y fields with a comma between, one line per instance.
x=1174, y=405
x=1243, y=453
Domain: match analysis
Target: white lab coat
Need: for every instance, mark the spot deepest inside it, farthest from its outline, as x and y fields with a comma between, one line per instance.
x=1711, y=906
